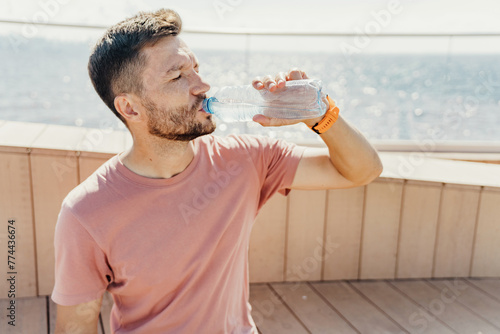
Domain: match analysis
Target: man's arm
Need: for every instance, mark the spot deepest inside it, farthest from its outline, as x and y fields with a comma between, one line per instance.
x=82, y=318
x=349, y=161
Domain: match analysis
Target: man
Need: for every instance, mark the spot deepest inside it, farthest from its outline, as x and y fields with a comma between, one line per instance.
x=164, y=226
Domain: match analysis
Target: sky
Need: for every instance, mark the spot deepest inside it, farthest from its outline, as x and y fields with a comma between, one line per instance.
x=351, y=16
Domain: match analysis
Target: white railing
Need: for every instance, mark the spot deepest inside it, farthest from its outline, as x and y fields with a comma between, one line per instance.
x=239, y=31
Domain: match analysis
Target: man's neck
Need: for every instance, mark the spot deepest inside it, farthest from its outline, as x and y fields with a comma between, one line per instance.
x=158, y=158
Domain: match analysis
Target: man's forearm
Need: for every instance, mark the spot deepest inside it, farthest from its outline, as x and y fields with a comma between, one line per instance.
x=351, y=154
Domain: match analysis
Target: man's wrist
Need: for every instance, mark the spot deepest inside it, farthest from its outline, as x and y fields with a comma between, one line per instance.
x=327, y=120
x=312, y=121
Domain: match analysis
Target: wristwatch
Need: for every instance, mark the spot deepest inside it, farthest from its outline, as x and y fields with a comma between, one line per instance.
x=331, y=116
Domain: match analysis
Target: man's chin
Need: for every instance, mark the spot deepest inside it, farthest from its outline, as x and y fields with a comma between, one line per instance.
x=211, y=129
x=191, y=136
x=208, y=124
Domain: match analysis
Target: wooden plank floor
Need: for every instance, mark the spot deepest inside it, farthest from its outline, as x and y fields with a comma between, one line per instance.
x=381, y=306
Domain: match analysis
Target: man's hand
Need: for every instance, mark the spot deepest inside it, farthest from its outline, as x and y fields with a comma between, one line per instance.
x=275, y=85
x=348, y=161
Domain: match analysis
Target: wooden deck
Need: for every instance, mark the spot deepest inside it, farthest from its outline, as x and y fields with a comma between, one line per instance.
x=381, y=306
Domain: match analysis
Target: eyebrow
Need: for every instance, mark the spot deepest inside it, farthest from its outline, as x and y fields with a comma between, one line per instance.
x=174, y=68
x=179, y=67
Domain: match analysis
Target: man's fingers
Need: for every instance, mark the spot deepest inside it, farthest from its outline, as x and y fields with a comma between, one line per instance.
x=280, y=79
x=257, y=83
x=296, y=74
x=278, y=82
x=269, y=83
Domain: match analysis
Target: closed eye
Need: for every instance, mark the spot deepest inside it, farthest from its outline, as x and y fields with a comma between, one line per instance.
x=177, y=78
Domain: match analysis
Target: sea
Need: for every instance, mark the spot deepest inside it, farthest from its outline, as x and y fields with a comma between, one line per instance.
x=392, y=96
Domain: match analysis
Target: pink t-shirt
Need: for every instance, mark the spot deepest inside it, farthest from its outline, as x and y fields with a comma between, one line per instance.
x=172, y=252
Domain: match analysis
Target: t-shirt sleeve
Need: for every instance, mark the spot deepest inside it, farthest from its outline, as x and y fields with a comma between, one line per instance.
x=82, y=273
x=276, y=162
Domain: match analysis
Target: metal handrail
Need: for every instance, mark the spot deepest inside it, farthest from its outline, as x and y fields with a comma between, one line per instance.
x=238, y=31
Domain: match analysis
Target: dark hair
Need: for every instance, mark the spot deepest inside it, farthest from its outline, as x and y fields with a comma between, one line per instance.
x=116, y=62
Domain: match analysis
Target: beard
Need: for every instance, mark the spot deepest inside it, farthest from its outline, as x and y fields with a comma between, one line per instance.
x=178, y=123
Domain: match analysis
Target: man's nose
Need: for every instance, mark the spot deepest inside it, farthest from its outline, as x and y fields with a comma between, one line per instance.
x=200, y=86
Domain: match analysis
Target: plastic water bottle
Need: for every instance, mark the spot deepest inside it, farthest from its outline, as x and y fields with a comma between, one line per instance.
x=300, y=99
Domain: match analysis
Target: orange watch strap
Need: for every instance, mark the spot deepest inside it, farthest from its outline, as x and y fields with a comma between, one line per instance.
x=331, y=116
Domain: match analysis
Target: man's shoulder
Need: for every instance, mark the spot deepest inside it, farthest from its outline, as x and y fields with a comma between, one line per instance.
x=92, y=190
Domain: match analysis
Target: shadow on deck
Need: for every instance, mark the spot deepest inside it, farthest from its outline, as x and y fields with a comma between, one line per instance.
x=380, y=306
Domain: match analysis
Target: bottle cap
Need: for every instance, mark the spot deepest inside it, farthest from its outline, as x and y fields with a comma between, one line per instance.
x=206, y=104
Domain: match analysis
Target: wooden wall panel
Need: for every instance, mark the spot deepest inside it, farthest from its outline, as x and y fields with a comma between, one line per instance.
x=417, y=236
x=15, y=203
x=380, y=229
x=486, y=259
x=267, y=242
x=306, y=221
x=456, y=226
x=344, y=217
x=31, y=316
x=53, y=178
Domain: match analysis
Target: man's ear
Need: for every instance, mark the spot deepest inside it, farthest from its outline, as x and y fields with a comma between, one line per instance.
x=126, y=105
